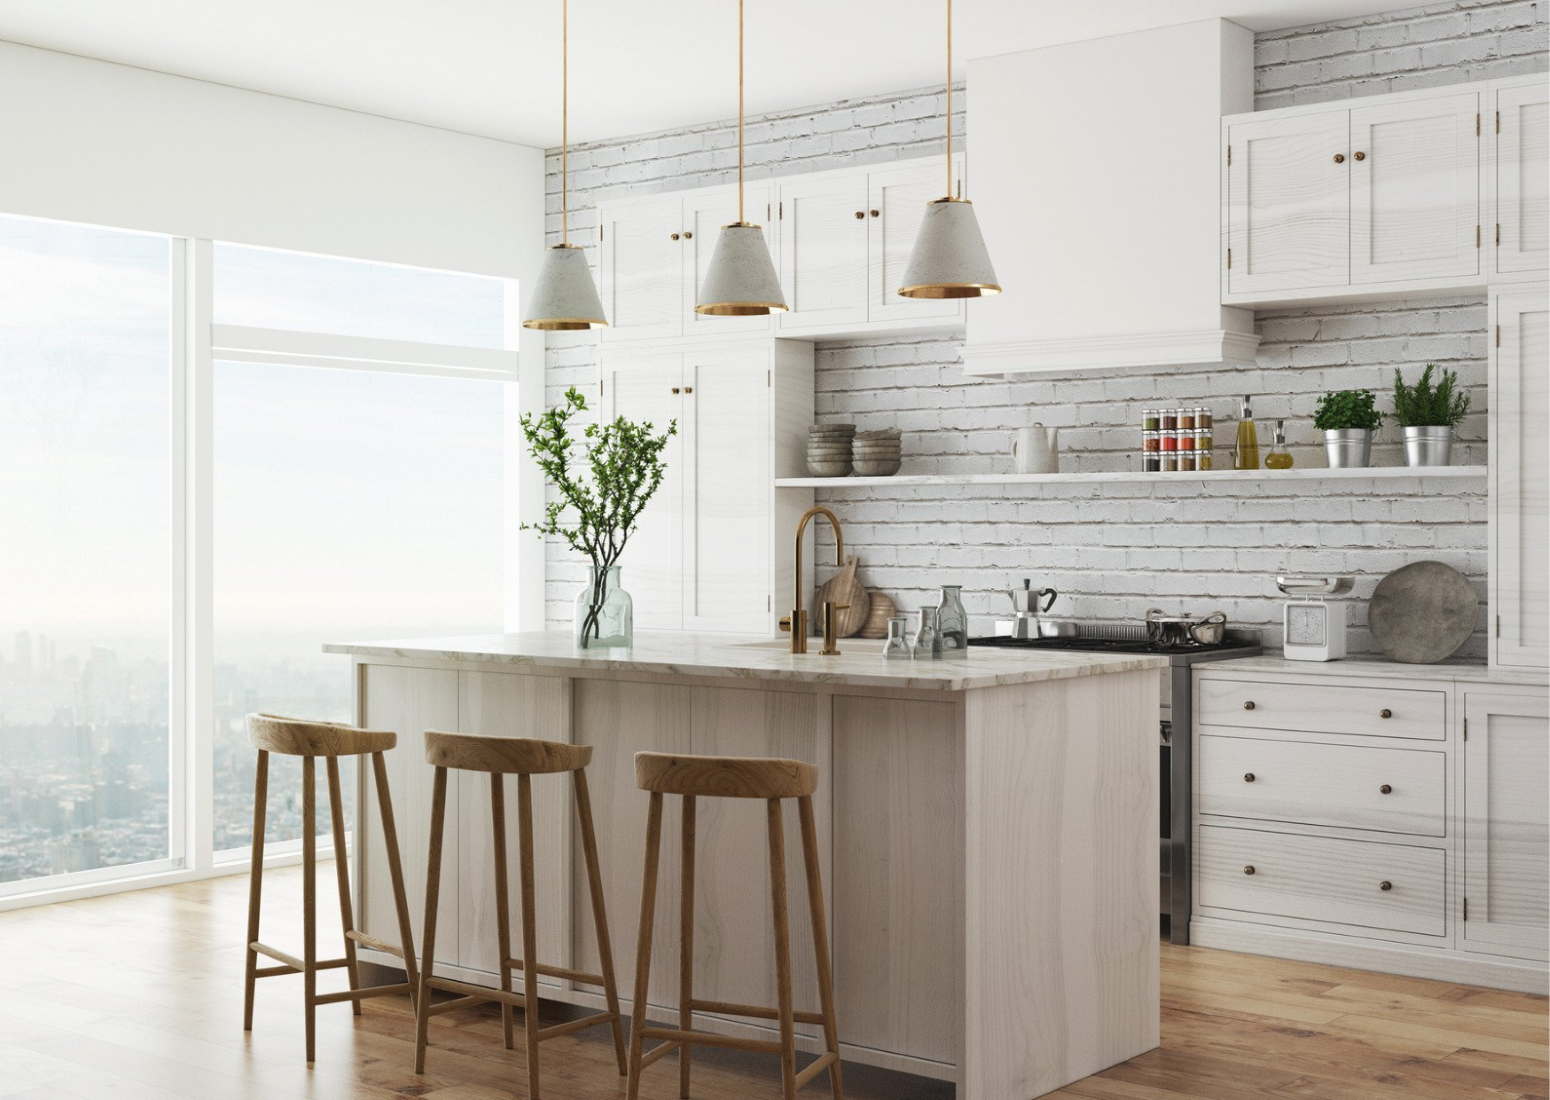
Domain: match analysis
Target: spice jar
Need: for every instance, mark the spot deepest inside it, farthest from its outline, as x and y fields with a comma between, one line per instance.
x=1205, y=448
x=1186, y=440
x=1187, y=461
x=1151, y=441
x=1186, y=420
x=1170, y=420
x=1149, y=420
x=1151, y=461
x=1170, y=462
x=1202, y=417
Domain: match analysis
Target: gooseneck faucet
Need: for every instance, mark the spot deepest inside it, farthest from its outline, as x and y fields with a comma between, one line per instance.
x=796, y=622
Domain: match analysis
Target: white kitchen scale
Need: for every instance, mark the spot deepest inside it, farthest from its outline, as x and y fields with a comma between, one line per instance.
x=1314, y=629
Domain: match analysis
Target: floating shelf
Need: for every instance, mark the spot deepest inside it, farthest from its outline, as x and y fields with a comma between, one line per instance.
x=1392, y=473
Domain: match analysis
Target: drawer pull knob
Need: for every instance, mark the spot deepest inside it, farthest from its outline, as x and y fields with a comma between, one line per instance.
x=1248, y=704
x=1385, y=713
x=1385, y=789
x=1248, y=777
x=1385, y=885
x=1339, y=158
x=1249, y=870
x=1359, y=155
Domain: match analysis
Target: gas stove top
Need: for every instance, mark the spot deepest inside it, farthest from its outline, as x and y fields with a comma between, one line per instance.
x=1125, y=645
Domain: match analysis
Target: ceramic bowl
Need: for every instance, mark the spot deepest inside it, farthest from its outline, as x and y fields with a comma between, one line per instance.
x=877, y=467
x=839, y=467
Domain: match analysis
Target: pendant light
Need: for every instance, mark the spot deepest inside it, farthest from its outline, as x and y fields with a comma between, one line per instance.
x=741, y=280
x=565, y=297
x=949, y=259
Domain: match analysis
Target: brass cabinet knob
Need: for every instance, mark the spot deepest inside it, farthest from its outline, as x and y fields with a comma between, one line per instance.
x=688, y=235
x=1249, y=870
x=1385, y=885
x=860, y=213
x=675, y=389
x=1358, y=156
x=672, y=236
x=1248, y=705
x=688, y=389
x=1385, y=713
x=1248, y=777
x=876, y=214
x=1339, y=158
x=1385, y=789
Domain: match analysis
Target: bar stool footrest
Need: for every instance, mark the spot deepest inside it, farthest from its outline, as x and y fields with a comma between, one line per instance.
x=813, y=1070
x=556, y=1030
x=656, y=1053
x=293, y=965
x=362, y=993
x=709, y=1038
x=558, y=972
x=373, y=943
x=756, y=1012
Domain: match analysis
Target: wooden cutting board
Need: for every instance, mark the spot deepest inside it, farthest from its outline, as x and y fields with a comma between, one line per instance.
x=877, y=619
x=843, y=589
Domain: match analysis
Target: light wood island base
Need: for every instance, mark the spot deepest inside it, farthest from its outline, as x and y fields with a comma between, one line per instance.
x=988, y=827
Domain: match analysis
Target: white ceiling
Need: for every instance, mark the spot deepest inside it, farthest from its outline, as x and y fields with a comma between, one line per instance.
x=492, y=66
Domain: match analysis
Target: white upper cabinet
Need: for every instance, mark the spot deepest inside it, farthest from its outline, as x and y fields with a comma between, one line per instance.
x=823, y=251
x=1415, y=190
x=896, y=205
x=1520, y=477
x=1520, y=132
x=1288, y=198
x=641, y=263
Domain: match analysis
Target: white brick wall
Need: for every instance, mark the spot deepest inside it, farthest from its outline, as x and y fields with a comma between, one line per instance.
x=1116, y=549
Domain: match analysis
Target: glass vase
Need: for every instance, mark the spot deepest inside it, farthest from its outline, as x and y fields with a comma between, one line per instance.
x=605, y=614
x=952, y=622
x=928, y=640
x=897, y=645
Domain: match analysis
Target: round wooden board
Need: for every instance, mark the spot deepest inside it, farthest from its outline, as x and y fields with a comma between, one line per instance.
x=877, y=619
x=1423, y=612
x=843, y=589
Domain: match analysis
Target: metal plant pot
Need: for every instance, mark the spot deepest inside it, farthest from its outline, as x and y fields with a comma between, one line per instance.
x=1348, y=447
x=1429, y=446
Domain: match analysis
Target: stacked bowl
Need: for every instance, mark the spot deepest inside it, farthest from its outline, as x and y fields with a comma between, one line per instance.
x=876, y=454
x=828, y=449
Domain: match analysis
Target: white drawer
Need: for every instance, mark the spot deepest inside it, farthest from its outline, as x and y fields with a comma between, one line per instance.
x=1346, y=786
x=1321, y=879
x=1323, y=708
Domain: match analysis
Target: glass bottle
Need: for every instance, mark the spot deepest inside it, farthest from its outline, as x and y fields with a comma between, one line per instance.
x=928, y=640
x=952, y=622
x=1279, y=457
x=605, y=614
x=1246, y=454
x=897, y=647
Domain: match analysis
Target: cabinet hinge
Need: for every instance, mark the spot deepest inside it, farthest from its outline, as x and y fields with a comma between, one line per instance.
x=1466, y=908
x=767, y=382
x=780, y=209
x=769, y=602
x=1498, y=626
x=600, y=387
x=1477, y=124
x=1498, y=122
x=766, y=211
x=599, y=232
x=1466, y=729
x=1498, y=233
x=1229, y=259
x=1477, y=236
x=1498, y=335
x=1229, y=156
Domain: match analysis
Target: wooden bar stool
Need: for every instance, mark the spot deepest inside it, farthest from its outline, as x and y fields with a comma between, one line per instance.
x=733, y=777
x=524, y=758
x=330, y=740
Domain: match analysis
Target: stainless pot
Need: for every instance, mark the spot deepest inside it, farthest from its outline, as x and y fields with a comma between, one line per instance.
x=1185, y=629
x=1429, y=446
x=1348, y=447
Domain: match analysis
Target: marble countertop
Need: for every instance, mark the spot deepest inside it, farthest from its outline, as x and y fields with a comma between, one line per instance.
x=859, y=663
x=1463, y=672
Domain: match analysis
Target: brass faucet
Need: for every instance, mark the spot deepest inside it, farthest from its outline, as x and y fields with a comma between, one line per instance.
x=796, y=622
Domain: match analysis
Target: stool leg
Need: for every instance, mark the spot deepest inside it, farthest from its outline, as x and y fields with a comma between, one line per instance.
x=648, y=910
x=309, y=898
x=529, y=929
x=788, y=1064
x=396, y=873
x=686, y=946
x=255, y=884
x=502, y=896
x=432, y=892
x=831, y=1031
x=342, y=873
x=605, y=950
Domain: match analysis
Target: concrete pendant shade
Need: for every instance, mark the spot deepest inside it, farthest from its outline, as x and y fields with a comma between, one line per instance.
x=949, y=259
x=741, y=279
x=565, y=297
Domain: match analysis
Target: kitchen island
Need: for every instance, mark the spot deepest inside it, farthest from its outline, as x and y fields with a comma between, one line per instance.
x=988, y=832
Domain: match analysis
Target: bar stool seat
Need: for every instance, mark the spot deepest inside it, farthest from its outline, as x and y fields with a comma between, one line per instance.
x=773, y=780
x=272, y=733
x=523, y=757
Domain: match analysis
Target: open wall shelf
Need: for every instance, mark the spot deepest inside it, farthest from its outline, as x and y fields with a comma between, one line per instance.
x=1392, y=473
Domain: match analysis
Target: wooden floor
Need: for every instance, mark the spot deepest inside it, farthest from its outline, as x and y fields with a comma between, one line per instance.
x=139, y=997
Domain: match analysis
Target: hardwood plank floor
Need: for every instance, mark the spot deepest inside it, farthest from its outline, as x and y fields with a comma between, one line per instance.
x=139, y=997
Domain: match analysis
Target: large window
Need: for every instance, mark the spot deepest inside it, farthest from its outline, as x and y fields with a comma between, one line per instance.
x=86, y=551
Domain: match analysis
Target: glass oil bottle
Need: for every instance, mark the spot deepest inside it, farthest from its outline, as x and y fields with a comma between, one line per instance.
x=1246, y=454
x=1279, y=457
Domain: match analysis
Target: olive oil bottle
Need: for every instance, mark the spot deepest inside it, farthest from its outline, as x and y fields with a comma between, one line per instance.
x=1279, y=457
x=1246, y=454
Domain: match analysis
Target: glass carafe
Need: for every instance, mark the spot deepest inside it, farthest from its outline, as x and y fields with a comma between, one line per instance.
x=898, y=644
x=928, y=640
x=952, y=622
x=605, y=614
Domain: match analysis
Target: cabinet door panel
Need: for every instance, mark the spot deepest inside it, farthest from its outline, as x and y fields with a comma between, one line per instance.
x=823, y=252
x=1522, y=130
x=622, y=718
x=650, y=388
x=1288, y=203
x=704, y=215
x=897, y=199
x=494, y=704
x=408, y=701
x=1415, y=190
x=1506, y=824
x=641, y=280
x=726, y=412
x=1520, y=472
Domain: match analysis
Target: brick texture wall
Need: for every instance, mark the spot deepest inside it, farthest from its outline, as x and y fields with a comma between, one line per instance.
x=1113, y=550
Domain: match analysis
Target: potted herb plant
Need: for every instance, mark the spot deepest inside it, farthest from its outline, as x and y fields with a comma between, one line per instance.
x=1429, y=413
x=603, y=479
x=1348, y=418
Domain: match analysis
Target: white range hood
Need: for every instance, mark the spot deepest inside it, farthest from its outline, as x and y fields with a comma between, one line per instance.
x=1097, y=182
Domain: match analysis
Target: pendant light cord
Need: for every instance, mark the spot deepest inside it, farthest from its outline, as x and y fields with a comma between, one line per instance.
x=740, y=110
x=949, y=98
x=564, y=122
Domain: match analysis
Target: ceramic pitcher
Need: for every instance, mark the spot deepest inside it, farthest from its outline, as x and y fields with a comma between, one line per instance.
x=1036, y=450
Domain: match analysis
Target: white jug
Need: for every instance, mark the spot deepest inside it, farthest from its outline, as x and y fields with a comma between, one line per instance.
x=1036, y=450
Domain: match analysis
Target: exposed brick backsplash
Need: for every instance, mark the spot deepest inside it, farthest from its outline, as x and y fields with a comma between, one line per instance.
x=1115, y=549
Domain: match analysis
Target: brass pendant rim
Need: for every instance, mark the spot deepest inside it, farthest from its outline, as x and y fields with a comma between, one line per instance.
x=564, y=324
x=949, y=290
x=740, y=309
